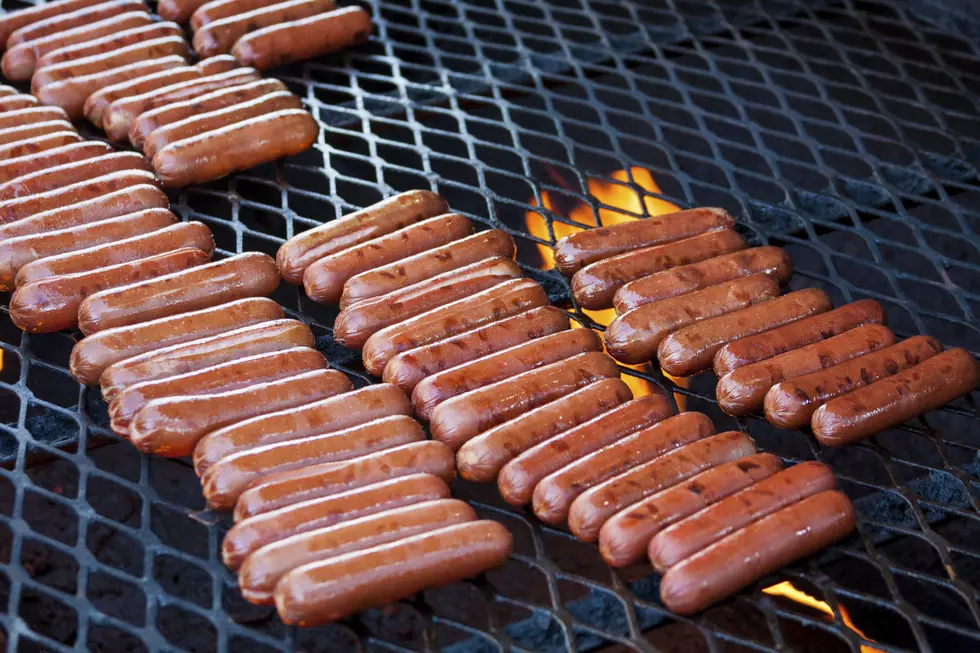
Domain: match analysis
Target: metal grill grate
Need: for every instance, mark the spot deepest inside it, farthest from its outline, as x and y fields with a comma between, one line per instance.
x=847, y=132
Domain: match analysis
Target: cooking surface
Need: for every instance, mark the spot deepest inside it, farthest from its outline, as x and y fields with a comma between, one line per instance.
x=847, y=132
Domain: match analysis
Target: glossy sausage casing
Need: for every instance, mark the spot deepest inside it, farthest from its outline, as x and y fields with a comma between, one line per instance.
x=25, y=207
x=219, y=36
x=14, y=20
x=25, y=165
x=82, y=14
x=96, y=104
x=70, y=173
x=218, y=9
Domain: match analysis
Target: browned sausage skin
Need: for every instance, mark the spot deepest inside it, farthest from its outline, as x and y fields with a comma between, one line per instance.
x=30, y=115
x=219, y=36
x=70, y=173
x=25, y=165
x=895, y=399
x=14, y=20
x=34, y=130
x=25, y=207
x=217, y=65
x=760, y=548
x=97, y=103
x=93, y=354
x=790, y=404
x=329, y=590
x=38, y=144
x=76, y=17
x=121, y=40
x=178, y=10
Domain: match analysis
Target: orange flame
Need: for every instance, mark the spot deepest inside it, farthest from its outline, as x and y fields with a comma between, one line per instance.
x=788, y=591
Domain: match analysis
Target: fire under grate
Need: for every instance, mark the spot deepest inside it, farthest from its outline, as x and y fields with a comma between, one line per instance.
x=847, y=132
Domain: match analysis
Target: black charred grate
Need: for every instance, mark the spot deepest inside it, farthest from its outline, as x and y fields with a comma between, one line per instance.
x=847, y=132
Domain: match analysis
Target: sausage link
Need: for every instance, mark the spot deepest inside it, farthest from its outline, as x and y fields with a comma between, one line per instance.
x=218, y=9
x=409, y=368
x=70, y=94
x=683, y=539
x=482, y=458
x=893, y=400
x=324, y=280
x=178, y=10
x=254, y=533
x=84, y=14
x=30, y=116
x=120, y=39
x=207, y=122
x=259, y=574
x=791, y=404
x=225, y=481
x=554, y=494
x=758, y=549
x=592, y=508
x=30, y=163
x=83, y=191
x=315, y=481
x=51, y=304
x=574, y=252
x=623, y=540
x=502, y=301
x=244, y=145
x=7, y=90
x=74, y=172
x=330, y=590
x=172, y=426
x=299, y=40
x=385, y=217
x=232, y=375
x=246, y=275
x=22, y=251
x=99, y=102
x=93, y=354
x=60, y=65
x=520, y=476
x=354, y=325
x=206, y=351
x=464, y=417
x=28, y=132
x=743, y=391
x=691, y=349
x=38, y=144
x=217, y=65
x=434, y=390
x=14, y=20
x=595, y=285
x=20, y=61
x=634, y=336
x=385, y=279
x=220, y=36
x=801, y=333
x=351, y=409
x=17, y=102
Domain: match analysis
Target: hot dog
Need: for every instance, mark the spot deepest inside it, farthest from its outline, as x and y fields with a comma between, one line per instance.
x=217, y=65
x=52, y=70
x=172, y=426
x=205, y=122
x=252, y=534
x=520, y=476
x=263, y=569
x=351, y=409
x=683, y=539
x=572, y=253
x=408, y=368
x=464, y=417
x=83, y=191
x=218, y=9
x=501, y=301
x=634, y=336
x=225, y=480
x=758, y=549
x=246, y=275
x=434, y=390
x=178, y=10
x=83, y=14
x=97, y=209
x=482, y=458
x=241, y=146
x=20, y=61
x=592, y=508
x=38, y=144
x=120, y=39
x=7, y=90
x=623, y=540
x=17, y=102
x=595, y=285
x=379, y=219
x=761, y=346
x=14, y=20
x=743, y=391
x=208, y=351
x=303, y=39
x=25, y=165
x=219, y=36
x=30, y=115
x=51, y=304
x=232, y=375
x=71, y=173
x=791, y=404
x=329, y=590
x=893, y=400
x=324, y=280
x=384, y=279
x=97, y=103
x=691, y=349
x=93, y=354
x=554, y=494
x=16, y=253
x=28, y=132
x=357, y=323
x=315, y=481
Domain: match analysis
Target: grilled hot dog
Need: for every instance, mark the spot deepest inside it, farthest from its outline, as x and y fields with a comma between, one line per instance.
x=74, y=172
